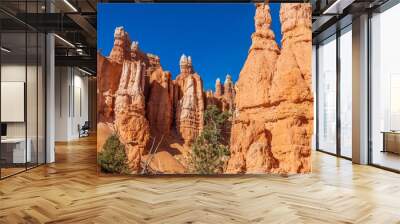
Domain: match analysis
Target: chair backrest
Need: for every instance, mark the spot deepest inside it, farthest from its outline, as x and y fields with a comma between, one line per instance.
x=86, y=125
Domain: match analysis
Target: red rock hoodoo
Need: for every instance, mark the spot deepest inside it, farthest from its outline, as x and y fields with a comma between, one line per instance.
x=250, y=139
x=224, y=96
x=121, y=48
x=292, y=120
x=271, y=103
x=189, y=101
x=160, y=103
x=130, y=120
x=273, y=116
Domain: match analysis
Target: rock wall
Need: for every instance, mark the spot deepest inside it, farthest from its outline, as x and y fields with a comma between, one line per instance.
x=107, y=85
x=272, y=125
x=130, y=114
x=224, y=96
x=138, y=100
x=228, y=102
x=292, y=123
x=250, y=139
x=121, y=48
x=271, y=103
x=160, y=103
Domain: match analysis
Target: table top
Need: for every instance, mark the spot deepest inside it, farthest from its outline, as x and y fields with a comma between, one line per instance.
x=13, y=140
x=391, y=132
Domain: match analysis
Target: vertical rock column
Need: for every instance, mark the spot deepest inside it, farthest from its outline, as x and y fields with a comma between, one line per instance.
x=159, y=105
x=130, y=121
x=121, y=48
x=189, y=102
x=229, y=94
x=218, y=88
x=250, y=143
x=292, y=124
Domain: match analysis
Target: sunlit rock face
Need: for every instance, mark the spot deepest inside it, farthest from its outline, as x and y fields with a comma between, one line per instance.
x=224, y=95
x=160, y=103
x=273, y=104
x=130, y=120
x=292, y=120
x=107, y=86
x=121, y=48
x=189, y=101
x=218, y=88
x=229, y=94
x=250, y=139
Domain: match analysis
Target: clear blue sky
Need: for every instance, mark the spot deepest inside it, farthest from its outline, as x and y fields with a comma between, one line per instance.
x=216, y=36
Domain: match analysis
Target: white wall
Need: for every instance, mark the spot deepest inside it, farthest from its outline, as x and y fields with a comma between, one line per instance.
x=71, y=94
x=16, y=73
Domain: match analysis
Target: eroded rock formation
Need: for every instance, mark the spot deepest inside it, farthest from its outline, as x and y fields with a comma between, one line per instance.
x=189, y=101
x=130, y=115
x=228, y=103
x=292, y=123
x=160, y=103
x=272, y=102
x=224, y=96
x=250, y=139
x=218, y=88
x=121, y=48
x=273, y=117
x=107, y=86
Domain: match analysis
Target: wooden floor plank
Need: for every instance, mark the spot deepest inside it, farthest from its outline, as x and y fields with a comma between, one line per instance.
x=70, y=191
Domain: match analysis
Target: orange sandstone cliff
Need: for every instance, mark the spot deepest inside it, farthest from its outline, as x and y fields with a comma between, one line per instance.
x=271, y=103
x=291, y=121
x=250, y=139
x=273, y=118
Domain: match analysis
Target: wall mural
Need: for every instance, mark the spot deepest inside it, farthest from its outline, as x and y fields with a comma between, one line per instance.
x=152, y=123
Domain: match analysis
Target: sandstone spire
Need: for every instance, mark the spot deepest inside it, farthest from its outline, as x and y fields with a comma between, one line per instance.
x=256, y=75
x=130, y=121
x=272, y=131
x=292, y=124
x=229, y=94
x=185, y=64
x=189, y=101
x=229, y=87
x=218, y=88
x=121, y=48
x=250, y=139
x=160, y=103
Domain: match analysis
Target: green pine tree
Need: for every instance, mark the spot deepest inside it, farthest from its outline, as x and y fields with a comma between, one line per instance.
x=113, y=158
x=209, y=154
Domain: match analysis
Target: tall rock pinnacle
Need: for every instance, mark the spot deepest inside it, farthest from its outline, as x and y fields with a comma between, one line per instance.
x=292, y=124
x=130, y=120
x=188, y=101
x=256, y=75
x=218, y=88
x=185, y=64
x=121, y=48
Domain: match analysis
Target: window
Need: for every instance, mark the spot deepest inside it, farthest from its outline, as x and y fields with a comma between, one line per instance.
x=327, y=95
x=346, y=92
x=22, y=90
x=385, y=89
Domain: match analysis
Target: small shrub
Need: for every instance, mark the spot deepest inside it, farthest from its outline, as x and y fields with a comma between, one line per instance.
x=209, y=154
x=113, y=158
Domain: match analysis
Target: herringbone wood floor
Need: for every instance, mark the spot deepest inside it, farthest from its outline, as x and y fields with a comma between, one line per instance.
x=70, y=191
